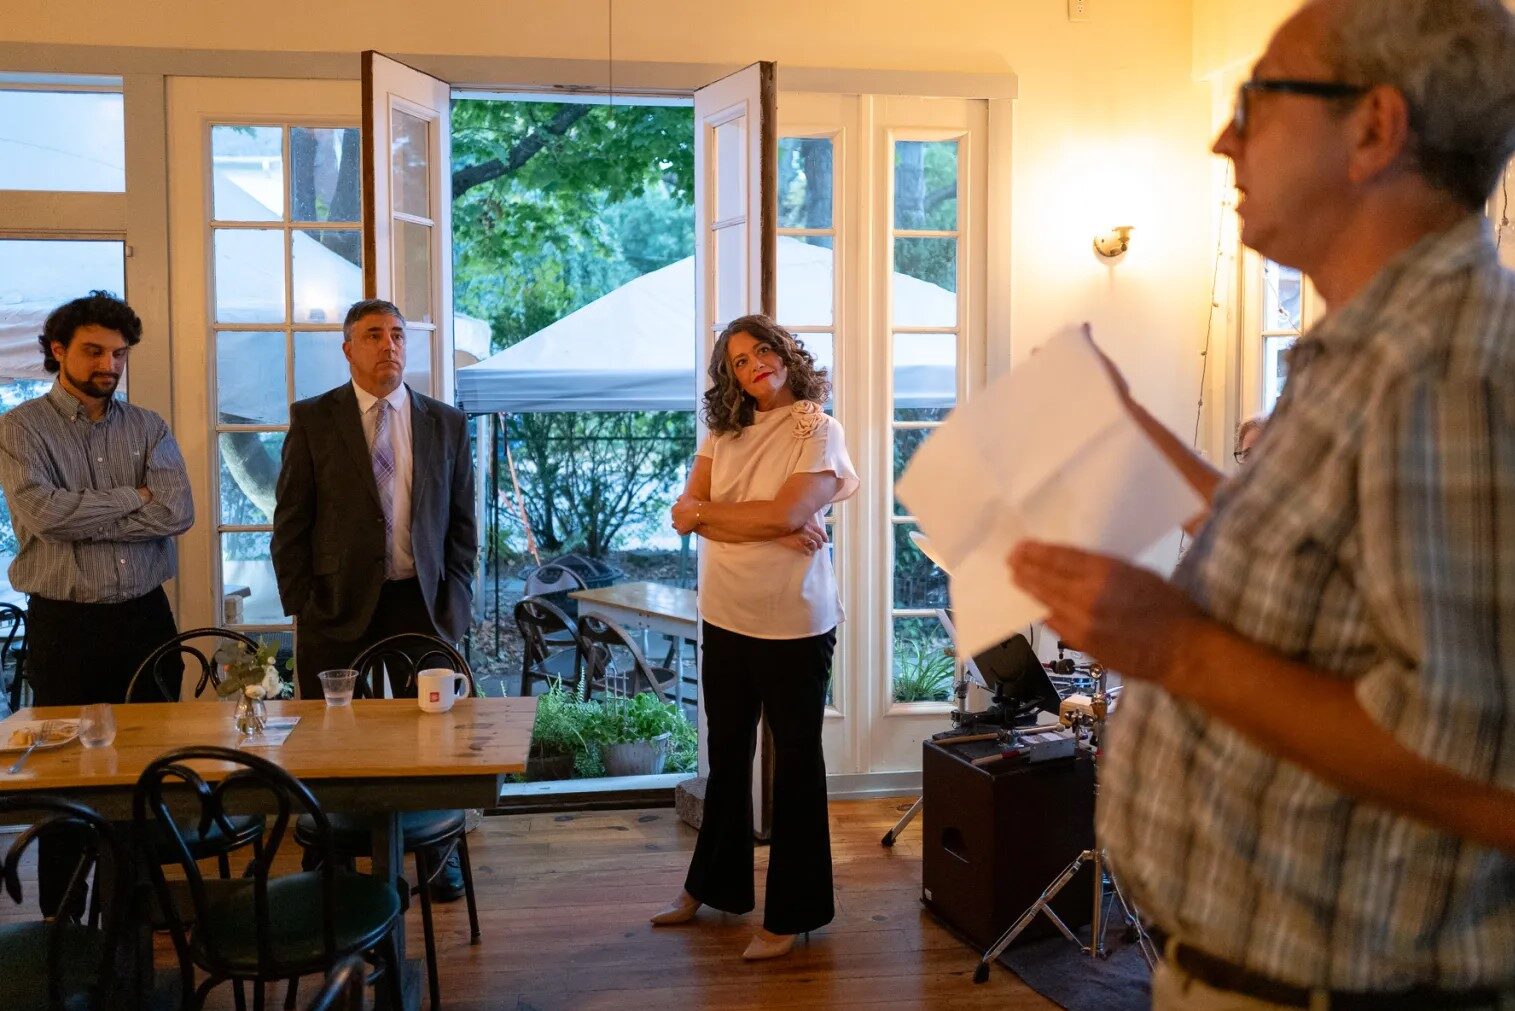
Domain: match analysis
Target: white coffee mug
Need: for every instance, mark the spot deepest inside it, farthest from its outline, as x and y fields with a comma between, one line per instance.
x=438, y=688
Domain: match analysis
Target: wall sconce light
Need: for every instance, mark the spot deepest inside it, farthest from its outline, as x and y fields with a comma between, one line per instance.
x=1113, y=243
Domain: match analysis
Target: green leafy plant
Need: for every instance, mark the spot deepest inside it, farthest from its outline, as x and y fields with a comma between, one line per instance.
x=922, y=672
x=559, y=727
x=622, y=720
x=250, y=671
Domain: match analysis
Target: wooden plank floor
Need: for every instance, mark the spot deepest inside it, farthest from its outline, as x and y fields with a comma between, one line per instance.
x=564, y=901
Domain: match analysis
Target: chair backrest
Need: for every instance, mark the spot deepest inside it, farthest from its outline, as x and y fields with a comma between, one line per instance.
x=102, y=851
x=404, y=656
x=170, y=776
x=598, y=639
x=13, y=627
x=179, y=647
x=552, y=578
x=536, y=619
x=343, y=989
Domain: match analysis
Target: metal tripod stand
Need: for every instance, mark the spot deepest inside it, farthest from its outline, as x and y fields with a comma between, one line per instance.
x=1093, y=723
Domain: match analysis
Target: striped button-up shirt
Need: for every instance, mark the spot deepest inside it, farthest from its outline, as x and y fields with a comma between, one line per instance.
x=71, y=484
x=1372, y=537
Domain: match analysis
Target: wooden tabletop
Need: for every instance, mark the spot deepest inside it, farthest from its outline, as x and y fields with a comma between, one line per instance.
x=386, y=739
x=649, y=598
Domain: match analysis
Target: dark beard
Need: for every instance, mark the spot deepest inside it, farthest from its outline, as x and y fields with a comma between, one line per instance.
x=91, y=388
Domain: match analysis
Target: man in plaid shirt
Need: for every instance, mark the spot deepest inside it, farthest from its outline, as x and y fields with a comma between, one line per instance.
x=1310, y=785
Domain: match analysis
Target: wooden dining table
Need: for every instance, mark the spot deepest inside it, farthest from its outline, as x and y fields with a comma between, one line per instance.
x=380, y=756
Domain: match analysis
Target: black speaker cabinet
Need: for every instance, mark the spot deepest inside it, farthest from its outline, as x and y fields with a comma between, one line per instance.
x=996, y=836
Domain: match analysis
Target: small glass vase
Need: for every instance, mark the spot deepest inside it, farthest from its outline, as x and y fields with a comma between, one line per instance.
x=251, y=716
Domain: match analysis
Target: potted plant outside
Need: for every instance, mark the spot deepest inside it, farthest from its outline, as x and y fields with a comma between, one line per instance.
x=557, y=736
x=634, y=734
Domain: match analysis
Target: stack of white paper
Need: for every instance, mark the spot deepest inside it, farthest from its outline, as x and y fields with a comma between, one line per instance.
x=1046, y=452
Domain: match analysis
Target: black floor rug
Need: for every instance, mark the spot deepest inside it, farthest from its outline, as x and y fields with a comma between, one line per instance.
x=1059, y=971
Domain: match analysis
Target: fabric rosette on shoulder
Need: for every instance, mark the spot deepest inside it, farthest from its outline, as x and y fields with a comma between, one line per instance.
x=807, y=418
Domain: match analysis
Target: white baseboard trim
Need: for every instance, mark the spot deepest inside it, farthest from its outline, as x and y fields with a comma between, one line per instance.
x=840, y=787
x=873, y=784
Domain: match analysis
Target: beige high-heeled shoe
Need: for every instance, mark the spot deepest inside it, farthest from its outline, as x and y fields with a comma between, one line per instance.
x=680, y=910
x=765, y=945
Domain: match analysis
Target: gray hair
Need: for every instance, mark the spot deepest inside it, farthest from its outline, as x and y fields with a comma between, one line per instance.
x=1454, y=62
x=364, y=308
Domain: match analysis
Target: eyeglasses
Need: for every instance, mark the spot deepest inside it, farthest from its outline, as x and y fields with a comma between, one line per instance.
x=1330, y=90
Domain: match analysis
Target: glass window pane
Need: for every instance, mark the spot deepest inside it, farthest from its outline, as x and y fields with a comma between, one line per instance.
x=249, y=472
x=328, y=274
x=320, y=364
x=925, y=184
x=325, y=166
x=906, y=442
x=925, y=375
x=922, y=668
x=918, y=582
x=822, y=346
x=37, y=276
x=1275, y=368
x=730, y=169
x=807, y=292
x=62, y=141
x=412, y=260
x=249, y=275
x=1281, y=297
x=247, y=172
x=805, y=182
x=730, y=273
x=418, y=360
x=247, y=572
x=924, y=286
x=250, y=379
x=410, y=162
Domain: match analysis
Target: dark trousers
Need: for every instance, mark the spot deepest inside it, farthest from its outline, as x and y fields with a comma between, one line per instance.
x=784, y=679
x=78, y=654
x=401, y=609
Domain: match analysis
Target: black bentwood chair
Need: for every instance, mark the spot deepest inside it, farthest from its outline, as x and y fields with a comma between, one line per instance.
x=551, y=643
x=402, y=657
x=64, y=963
x=261, y=927
x=13, y=651
x=215, y=843
x=431, y=836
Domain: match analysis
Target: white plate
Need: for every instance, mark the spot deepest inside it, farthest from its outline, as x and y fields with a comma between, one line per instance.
x=11, y=727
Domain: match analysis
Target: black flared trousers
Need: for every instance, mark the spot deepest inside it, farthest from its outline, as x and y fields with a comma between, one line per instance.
x=742, y=677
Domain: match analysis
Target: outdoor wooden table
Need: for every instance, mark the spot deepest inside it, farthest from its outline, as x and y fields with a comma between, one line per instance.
x=646, y=607
x=382, y=756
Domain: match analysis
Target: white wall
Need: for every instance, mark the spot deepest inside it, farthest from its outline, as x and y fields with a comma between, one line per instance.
x=1110, y=126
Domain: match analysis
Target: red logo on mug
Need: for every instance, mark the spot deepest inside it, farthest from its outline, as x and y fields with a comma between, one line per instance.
x=435, y=697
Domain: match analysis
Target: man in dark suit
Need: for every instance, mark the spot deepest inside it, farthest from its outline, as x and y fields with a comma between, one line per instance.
x=374, y=530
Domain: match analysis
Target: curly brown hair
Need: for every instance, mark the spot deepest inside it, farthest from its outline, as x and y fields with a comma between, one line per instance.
x=729, y=408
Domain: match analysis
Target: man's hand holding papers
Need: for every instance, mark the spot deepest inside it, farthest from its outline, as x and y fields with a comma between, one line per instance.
x=1048, y=452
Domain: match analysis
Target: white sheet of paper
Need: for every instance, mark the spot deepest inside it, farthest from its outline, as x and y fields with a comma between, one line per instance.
x=1047, y=452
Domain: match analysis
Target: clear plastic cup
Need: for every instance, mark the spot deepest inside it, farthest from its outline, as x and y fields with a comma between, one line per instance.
x=97, y=725
x=336, y=685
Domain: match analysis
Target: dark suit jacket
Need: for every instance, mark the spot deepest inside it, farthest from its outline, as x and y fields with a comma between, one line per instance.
x=328, y=540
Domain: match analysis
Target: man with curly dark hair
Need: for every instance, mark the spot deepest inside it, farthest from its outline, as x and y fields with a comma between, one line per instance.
x=97, y=492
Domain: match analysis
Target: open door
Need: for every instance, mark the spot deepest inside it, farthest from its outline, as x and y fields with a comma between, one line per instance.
x=735, y=256
x=407, y=212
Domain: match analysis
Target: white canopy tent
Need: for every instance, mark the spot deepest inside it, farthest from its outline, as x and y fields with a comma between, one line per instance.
x=633, y=349
x=249, y=288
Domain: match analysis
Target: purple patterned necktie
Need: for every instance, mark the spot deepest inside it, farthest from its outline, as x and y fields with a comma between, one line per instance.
x=384, y=477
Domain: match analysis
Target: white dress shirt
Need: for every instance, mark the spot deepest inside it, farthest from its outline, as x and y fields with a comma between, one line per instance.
x=399, y=440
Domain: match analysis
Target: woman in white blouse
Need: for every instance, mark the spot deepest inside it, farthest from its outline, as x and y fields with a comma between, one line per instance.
x=759, y=485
